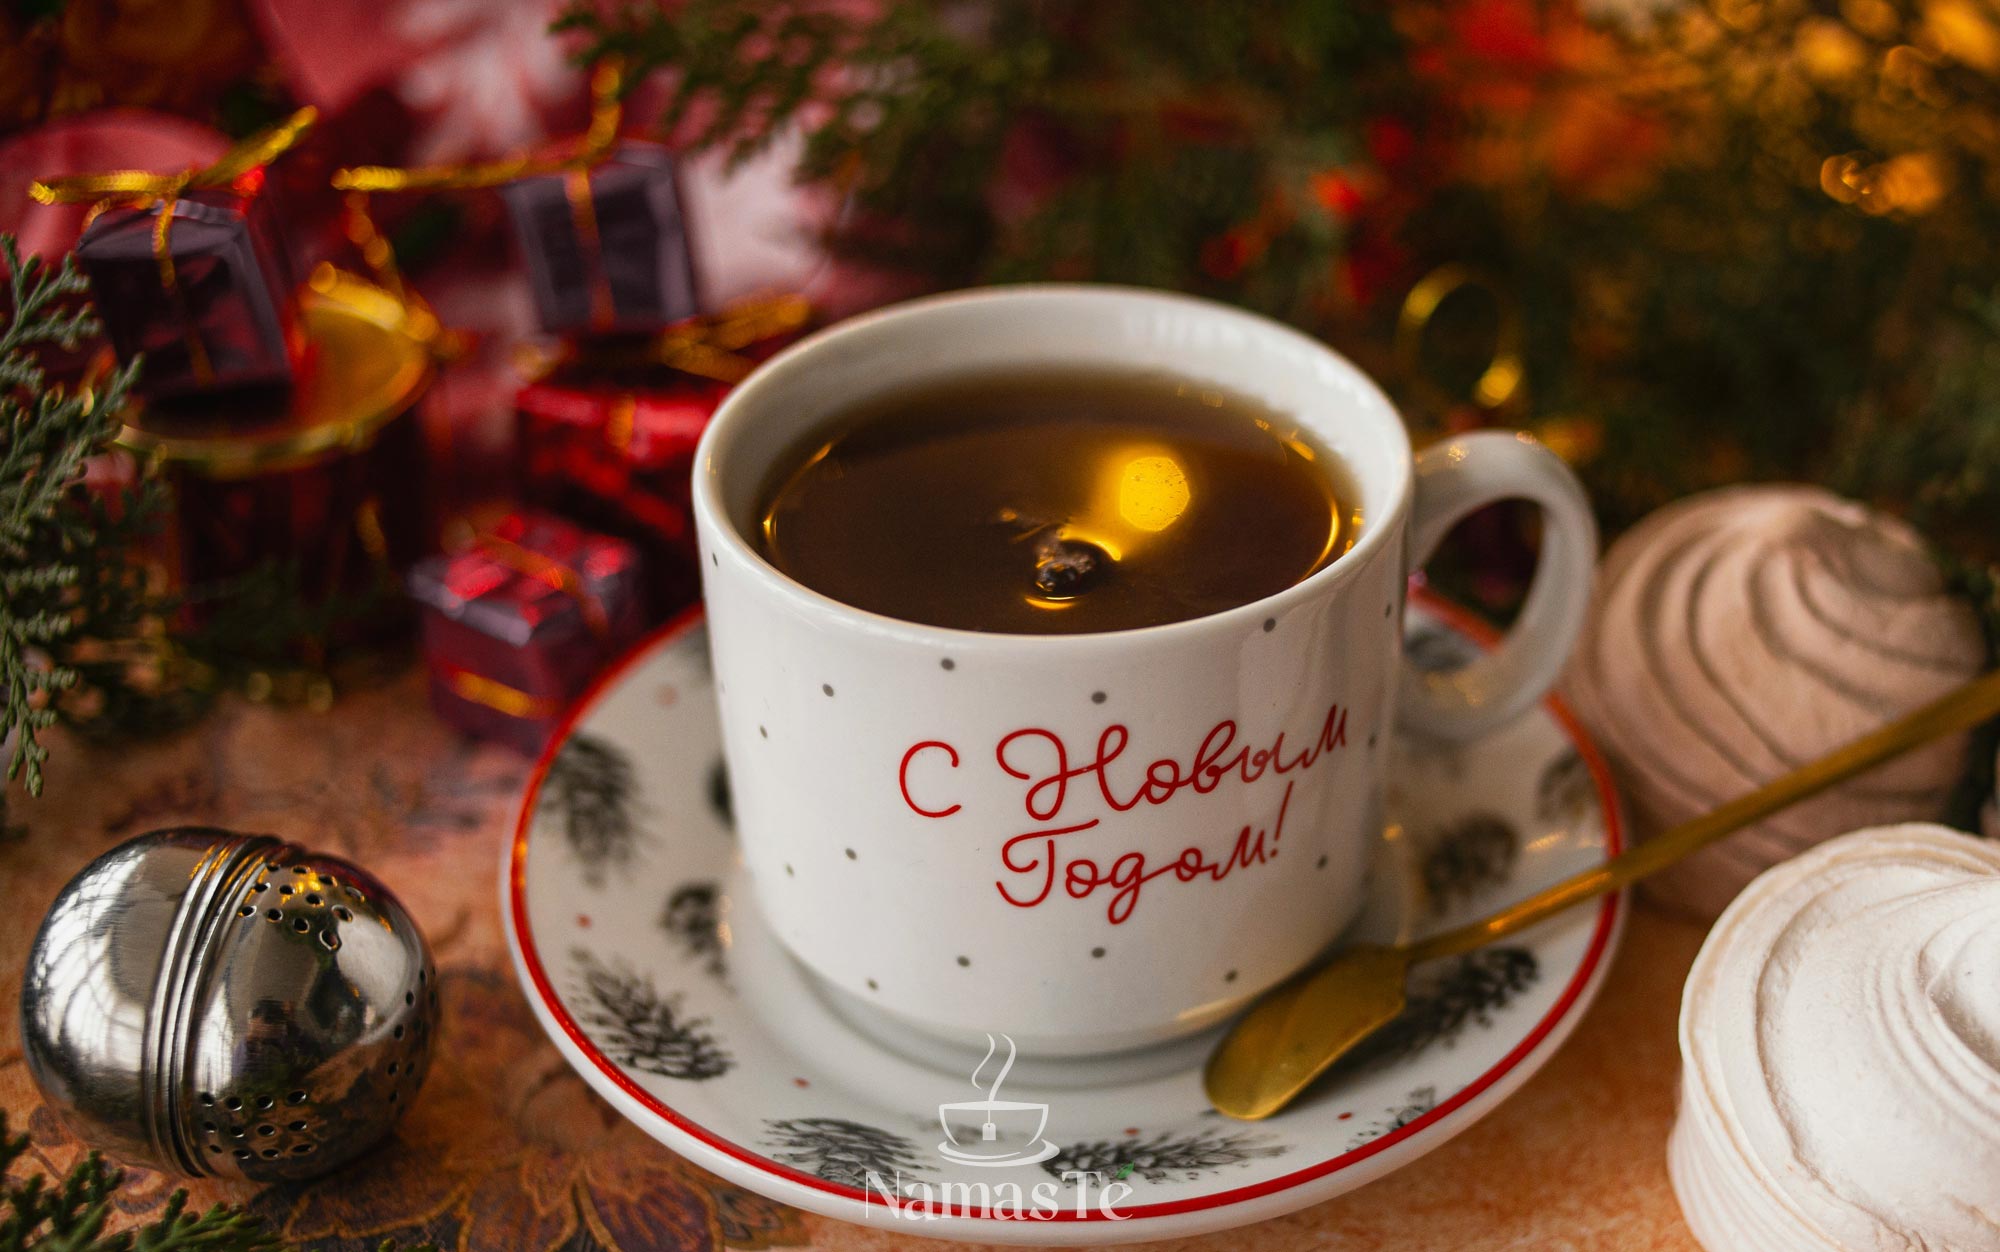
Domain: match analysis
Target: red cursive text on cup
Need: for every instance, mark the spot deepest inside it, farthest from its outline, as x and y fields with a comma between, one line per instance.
x=903, y=776
x=1034, y=862
x=1035, y=855
x=1160, y=781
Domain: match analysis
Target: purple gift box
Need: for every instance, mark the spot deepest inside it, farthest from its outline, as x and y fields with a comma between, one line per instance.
x=607, y=250
x=223, y=320
x=517, y=625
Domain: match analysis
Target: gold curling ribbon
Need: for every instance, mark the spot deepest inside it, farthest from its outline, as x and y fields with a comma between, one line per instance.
x=1502, y=382
x=498, y=696
x=707, y=347
x=138, y=188
x=583, y=217
x=606, y=112
x=711, y=346
x=145, y=187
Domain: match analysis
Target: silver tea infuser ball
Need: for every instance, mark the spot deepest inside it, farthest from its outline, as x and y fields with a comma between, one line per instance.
x=228, y=1004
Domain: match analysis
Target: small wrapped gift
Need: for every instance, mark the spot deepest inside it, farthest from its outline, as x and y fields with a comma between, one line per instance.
x=606, y=246
x=599, y=219
x=517, y=624
x=617, y=453
x=188, y=268
x=216, y=314
x=606, y=431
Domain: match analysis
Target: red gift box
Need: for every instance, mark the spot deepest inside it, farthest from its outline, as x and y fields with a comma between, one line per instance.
x=517, y=624
x=606, y=432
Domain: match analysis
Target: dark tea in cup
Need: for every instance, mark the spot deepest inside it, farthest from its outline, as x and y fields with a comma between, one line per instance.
x=1056, y=502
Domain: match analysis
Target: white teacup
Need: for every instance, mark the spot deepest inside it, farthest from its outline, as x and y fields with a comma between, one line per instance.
x=1099, y=841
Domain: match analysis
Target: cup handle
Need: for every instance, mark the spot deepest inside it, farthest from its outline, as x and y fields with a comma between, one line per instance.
x=1454, y=478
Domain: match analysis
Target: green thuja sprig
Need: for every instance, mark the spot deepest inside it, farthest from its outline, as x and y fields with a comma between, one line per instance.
x=1176, y=152
x=60, y=573
x=70, y=1216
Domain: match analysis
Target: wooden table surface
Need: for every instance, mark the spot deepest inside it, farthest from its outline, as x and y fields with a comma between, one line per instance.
x=507, y=1150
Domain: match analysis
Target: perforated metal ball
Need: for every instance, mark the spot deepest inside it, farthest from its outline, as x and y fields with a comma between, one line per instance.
x=227, y=1004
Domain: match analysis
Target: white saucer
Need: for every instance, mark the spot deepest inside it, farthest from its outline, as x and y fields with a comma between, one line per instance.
x=658, y=981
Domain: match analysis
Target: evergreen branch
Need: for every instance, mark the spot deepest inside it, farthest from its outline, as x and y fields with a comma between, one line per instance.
x=1160, y=136
x=64, y=577
x=71, y=1215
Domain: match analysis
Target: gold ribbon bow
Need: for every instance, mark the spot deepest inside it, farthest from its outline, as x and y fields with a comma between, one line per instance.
x=134, y=188
x=146, y=187
x=606, y=113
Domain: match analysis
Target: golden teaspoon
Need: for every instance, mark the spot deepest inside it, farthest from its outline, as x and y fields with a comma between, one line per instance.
x=1297, y=1030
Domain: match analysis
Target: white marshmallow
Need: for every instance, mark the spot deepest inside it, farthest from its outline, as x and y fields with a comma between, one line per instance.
x=1840, y=1041
x=1740, y=633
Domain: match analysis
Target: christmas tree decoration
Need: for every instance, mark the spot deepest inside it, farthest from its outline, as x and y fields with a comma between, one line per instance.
x=322, y=483
x=190, y=58
x=606, y=429
x=1742, y=632
x=188, y=267
x=520, y=621
x=230, y=1005
x=1840, y=1045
